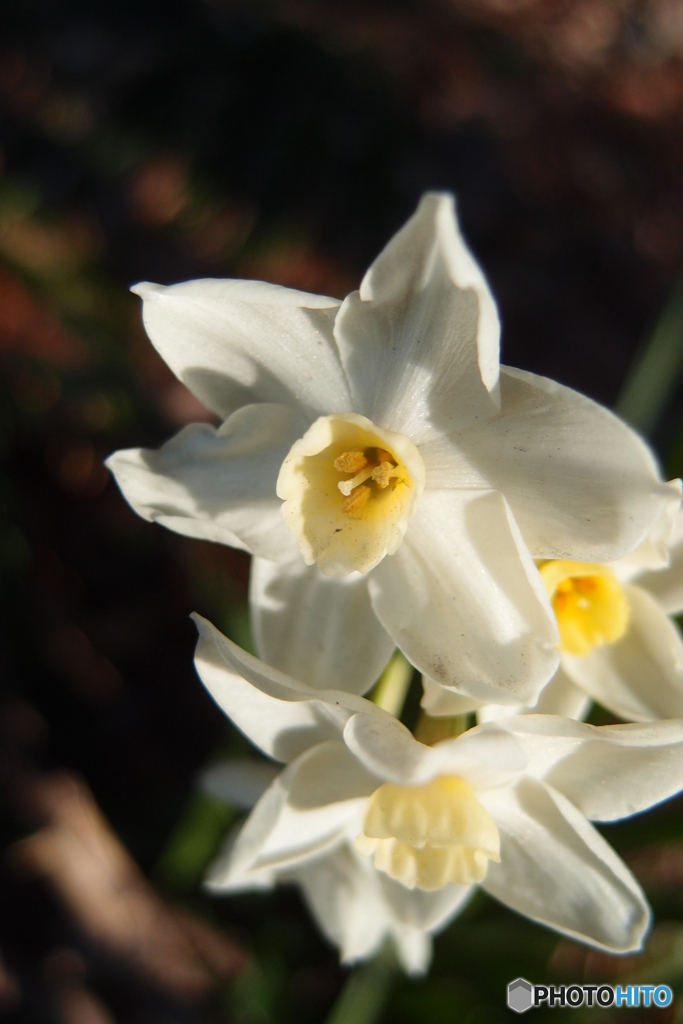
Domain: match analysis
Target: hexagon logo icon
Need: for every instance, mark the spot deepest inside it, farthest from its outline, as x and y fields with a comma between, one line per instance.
x=520, y=995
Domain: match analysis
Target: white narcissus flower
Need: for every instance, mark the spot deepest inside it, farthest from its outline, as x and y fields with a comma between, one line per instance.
x=365, y=806
x=391, y=480
x=619, y=645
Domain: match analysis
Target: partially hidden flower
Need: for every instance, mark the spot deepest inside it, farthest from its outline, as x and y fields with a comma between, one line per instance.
x=619, y=643
x=393, y=482
x=364, y=816
x=355, y=906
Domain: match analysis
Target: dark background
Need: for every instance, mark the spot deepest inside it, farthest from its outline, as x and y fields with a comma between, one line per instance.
x=285, y=141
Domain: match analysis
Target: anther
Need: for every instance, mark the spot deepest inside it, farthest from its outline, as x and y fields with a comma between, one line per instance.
x=383, y=473
x=356, y=501
x=350, y=462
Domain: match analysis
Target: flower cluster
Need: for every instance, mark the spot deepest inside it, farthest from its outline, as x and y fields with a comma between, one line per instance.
x=398, y=488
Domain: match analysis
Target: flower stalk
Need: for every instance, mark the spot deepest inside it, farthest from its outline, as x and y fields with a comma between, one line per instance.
x=392, y=687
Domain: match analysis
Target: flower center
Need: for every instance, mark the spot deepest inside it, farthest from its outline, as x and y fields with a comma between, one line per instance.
x=369, y=467
x=589, y=603
x=349, y=488
x=427, y=836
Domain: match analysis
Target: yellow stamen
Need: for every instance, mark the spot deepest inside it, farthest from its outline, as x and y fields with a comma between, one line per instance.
x=589, y=603
x=356, y=501
x=383, y=473
x=350, y=462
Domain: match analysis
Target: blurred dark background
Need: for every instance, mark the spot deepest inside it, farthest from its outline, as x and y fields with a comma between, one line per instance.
x=282, y=140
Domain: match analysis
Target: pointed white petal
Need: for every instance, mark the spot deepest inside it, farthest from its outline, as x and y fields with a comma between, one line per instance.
x=557, y=870
x=420, y=340
x=306, y=811
x=428, y=911
x=217, y=485
x=414, y=949
x=640, y=677
x=320, y=629
x=345, y=897
x=233, y=870
x=655, y=551
x=609, y=780
x=279, y=715
x=237, y=342
x=223, y=878
x=560, y=697
x=441, y=702
x=238, y=782
x=608, y=772
x=348, y=900
x=582, y=485
x=667, y=586
x=486, y=756
x=463, y=599
x=384, y=746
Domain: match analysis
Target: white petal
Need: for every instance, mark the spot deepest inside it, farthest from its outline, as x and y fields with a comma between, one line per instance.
x=667, y=586
x=279, y=715
x=414, y=949
x=234, y=868
x=640, y=677
x=654, y=552
x=320, y=629
x=557, y=870
x=560, y=697
x=463, y=600
x=608, y=772
x=582, y=485
x=348, y=900
x=217, y=485
x=238, y=782
x=344, y=895
x=237, y=342
x=485, y=757
x=632, y=769
x=441, y=702
x=222, y=877
x=387, y=748
x=428, y=911
x=419, y=342
x=307, y=810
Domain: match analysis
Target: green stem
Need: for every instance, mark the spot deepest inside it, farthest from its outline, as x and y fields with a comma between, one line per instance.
x=392, y=688
x=364, y=995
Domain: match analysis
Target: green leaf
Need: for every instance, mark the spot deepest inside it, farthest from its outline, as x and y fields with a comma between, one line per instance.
x=656, y=370
x=194, y=841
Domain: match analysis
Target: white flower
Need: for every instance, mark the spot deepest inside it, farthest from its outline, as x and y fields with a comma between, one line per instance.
x=618, y=644
x=418, y=477
x=355, y=906
x=507, y=805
